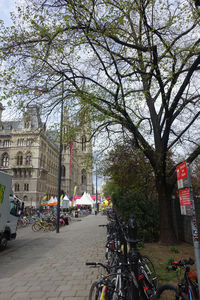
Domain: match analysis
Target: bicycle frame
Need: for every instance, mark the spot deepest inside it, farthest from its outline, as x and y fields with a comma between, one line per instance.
x=191, y=289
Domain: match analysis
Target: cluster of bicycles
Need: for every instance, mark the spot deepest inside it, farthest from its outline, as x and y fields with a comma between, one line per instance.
x=128, y=275
x=45, y=225
x=24, y=221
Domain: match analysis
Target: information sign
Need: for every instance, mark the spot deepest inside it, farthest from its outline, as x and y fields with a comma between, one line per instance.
x=181, y=171
x=183, y=179
x=184, y=197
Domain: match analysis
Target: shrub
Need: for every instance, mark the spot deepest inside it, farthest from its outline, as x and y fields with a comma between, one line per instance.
x=146, y=212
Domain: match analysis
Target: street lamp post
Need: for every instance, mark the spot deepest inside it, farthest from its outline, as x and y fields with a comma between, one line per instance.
x=96, y=191
x=60, y=161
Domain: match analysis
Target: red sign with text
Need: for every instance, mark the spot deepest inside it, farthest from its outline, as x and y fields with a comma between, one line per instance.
x=181, y=171
x=184, y=197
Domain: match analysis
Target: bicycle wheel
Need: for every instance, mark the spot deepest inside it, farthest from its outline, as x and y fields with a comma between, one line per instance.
x=95, y=291
x=36, y=227
x=168, y=292
x=52, y=226
x=131, y=291
x=150, y=270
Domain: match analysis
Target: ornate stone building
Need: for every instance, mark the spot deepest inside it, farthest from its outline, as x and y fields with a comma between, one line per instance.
x=30, y=154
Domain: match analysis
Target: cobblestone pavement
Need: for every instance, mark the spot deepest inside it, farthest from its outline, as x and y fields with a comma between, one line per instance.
x=50, y=265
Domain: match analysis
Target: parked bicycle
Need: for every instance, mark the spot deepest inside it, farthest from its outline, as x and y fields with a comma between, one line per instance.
x=187, y=287
x=128, y=275
x=44, y=224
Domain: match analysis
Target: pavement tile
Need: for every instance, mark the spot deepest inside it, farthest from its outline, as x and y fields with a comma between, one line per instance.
x=51, y=266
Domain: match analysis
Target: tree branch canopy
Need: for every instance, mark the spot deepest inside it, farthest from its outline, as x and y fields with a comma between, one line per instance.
x=133, y=63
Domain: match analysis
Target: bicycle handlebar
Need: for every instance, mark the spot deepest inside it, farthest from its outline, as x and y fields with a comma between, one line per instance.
x=180, y=263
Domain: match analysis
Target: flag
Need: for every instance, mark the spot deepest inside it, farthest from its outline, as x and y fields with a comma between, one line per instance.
x=75, y=188
x=61, y=199
x=2, y=188
x=70, y=161
x=43, y=202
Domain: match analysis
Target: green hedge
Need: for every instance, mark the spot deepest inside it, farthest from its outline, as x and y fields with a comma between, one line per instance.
x=132, y=203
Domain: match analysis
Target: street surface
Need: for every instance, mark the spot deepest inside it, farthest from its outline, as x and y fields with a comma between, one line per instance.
x=50, y=265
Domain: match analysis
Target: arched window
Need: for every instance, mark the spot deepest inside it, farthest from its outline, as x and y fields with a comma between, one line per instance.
x=20, y=142
x=16, y=187
x=26, y=124
x=19, y=159
x=5, y=160
x=28, y=159
x=26, y=187
x=29, y=142
x=6, y=143
x=83, y=143
x=63, y=171
x=83, y=177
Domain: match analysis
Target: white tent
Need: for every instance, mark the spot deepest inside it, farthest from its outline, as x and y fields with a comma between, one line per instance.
x=52, y=201
x=65, y=202
x=84, y=200
x=65, y=198
x=93, y=201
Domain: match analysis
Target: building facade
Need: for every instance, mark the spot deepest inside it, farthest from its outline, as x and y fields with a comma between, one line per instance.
x=31, y=155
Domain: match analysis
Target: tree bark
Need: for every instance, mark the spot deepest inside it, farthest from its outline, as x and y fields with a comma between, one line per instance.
x=167, y=233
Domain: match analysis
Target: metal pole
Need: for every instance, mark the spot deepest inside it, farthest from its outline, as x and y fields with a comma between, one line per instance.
x=60, y=162
x=96, y=190
x=197, y=261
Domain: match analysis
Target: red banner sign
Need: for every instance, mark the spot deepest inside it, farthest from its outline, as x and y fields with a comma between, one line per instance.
x=184, y=197
x=181, y=171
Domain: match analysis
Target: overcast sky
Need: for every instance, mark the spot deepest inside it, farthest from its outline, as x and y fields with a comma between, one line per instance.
x=6, y=6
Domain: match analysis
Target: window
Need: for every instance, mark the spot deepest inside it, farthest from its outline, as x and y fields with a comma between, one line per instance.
x=5, y=160
x=28, y=159
x=29, y=173
x=16, y=187
x=19, y=159
x=13, y=208
x=26, y=187
x=41, y=161
x=26, y=124
x=29, y=142
x=83, y=177
x=20, y=142
x=63, y=171
x=6, y=143
x=83, y=142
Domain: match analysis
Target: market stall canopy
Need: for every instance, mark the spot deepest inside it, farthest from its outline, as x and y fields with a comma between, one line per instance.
x=92, y=200
x=84, y=200
x=52, y=201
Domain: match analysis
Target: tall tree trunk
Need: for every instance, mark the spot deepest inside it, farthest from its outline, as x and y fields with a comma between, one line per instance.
x=167, y=234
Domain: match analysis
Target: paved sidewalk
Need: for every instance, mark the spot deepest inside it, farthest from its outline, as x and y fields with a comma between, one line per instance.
x=51, y=266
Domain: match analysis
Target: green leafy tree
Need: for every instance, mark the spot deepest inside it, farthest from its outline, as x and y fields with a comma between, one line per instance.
x=127, y=167
x=133, y=65
x=132, y=186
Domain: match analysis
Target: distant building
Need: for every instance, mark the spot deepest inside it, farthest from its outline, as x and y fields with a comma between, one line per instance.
x=30, y=154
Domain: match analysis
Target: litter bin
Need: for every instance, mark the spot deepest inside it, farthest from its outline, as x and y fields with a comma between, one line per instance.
x=76, y=214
